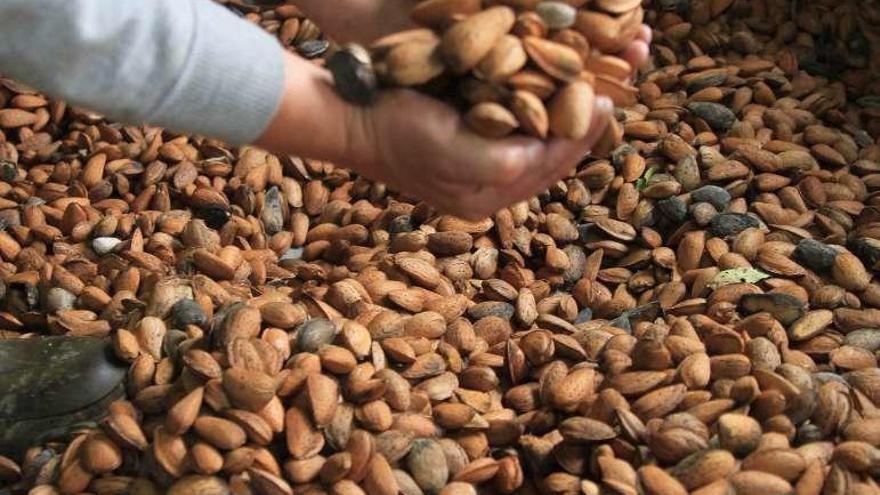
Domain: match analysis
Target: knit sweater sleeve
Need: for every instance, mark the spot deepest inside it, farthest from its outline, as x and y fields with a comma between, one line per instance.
x=188, y=65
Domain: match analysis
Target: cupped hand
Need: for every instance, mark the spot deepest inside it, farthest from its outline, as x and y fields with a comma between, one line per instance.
x=414, y=143
x=359, y=21
x=421, y=147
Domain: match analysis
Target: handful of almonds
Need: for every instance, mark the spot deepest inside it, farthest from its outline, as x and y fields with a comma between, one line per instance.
x=511, y=65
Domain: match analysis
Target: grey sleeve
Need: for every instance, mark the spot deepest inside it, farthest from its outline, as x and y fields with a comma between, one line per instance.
x=188, y=65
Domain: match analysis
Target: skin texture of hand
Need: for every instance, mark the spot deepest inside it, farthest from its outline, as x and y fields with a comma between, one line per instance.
x=414, y=143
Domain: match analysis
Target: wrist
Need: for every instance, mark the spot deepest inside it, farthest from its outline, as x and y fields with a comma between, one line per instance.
x=312, y=121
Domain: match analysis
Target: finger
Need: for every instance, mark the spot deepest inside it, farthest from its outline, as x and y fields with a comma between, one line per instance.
x=646, y=34
x=639, y=51
x=636, y=54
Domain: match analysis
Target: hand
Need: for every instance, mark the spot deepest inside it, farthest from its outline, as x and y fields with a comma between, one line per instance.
x=420, y=146
x=638, y=51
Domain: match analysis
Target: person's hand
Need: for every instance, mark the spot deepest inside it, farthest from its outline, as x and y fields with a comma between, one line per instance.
x=420, y=146
x=414, y=143
x=638, y=51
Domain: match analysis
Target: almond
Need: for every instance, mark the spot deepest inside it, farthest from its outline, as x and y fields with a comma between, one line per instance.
x=413, y=63
x=504, y=60
x=491, y=120
x=570, y=111
x=556, y=59
x=247, y=389
x=467, y=42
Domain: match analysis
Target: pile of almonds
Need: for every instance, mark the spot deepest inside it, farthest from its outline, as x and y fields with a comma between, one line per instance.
x=524, y=65
x=698, y=313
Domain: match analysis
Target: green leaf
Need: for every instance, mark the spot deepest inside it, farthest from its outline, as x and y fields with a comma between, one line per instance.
x=642, y=183
x=737, y=275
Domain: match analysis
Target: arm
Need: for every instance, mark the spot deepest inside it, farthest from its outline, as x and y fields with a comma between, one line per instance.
x=189, y=65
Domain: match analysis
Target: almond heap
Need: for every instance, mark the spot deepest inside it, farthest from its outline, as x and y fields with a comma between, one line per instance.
x=699, y=312
x=513, y=65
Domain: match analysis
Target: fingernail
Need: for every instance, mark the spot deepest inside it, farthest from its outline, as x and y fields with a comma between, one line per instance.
x=604, y=105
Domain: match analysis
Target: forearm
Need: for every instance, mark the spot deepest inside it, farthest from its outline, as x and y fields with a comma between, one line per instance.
x=189, y=65
x=312, y=120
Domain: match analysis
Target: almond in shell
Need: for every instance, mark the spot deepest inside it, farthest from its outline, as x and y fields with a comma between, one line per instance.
x=656, y=481
x=126, y=431
x=467, y=42
x=248, y=389
x=413, y=63
x=759, y=482
x=557, y=60
x=220, y=433
x=538, y=83
x=610, y=139
x=323, y=394
x=304, y=440
x=602, y=30
x=380, y=478
x=622, y=94
x=704, y=467
x=491, y=120
x=531, y=113
x=182, y=415
x=506, y=59
x=571, y=111
x=169, y=451
x=609, y=65
x=99, y=454
x=849, y=272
